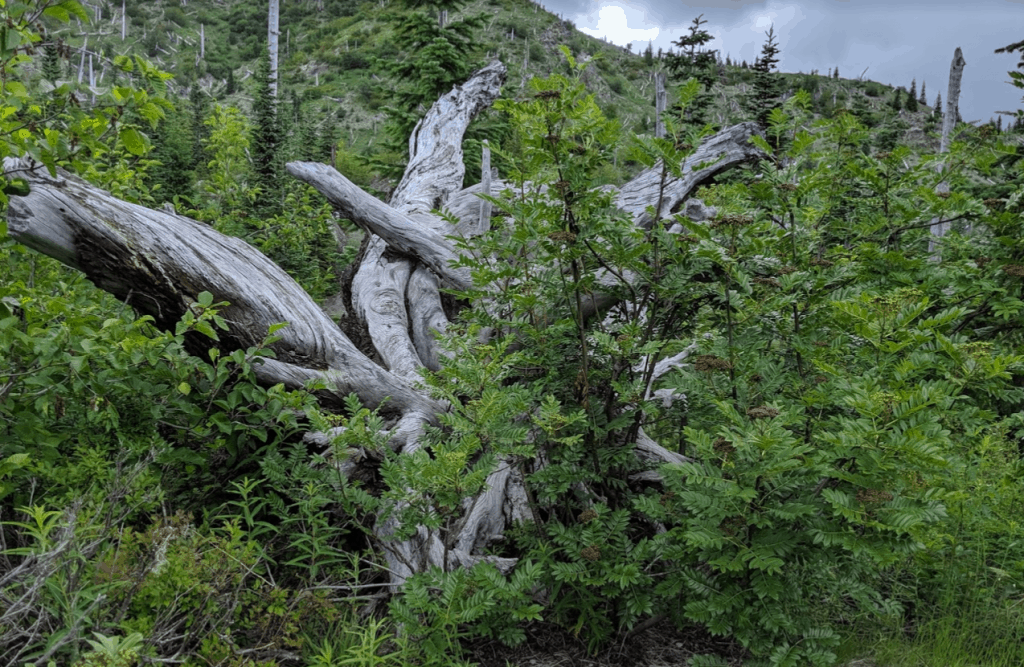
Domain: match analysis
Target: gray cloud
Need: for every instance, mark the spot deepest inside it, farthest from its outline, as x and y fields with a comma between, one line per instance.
x=894, y=41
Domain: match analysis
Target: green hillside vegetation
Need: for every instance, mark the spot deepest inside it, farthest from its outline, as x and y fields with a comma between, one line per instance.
x=852, y=402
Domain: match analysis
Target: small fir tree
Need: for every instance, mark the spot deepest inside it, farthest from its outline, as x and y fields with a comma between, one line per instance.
x=922, y=99
x=765, y=93
x=266, y=138
x=937, y=110
x=911, y=102
x=51, y=62
x=896, y=104
x=694, y=61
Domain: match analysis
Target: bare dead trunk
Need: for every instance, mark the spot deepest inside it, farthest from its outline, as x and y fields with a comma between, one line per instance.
x=273, y=37
x=158, y=262
x=660, y=102
x=956, y=72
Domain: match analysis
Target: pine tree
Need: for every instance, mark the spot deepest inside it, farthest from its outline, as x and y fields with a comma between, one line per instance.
x=434, y=58
x=922, y=99
x=51, y=62
x=835, y=72
x=266, y=139
x=728, y=61
x=230, y=87
x=911, y=103
x=895, y=104
x=649, y=55
x=999, y=125
x=693, y=61
x=937, y=109
x=765, y=92
x=199, y=107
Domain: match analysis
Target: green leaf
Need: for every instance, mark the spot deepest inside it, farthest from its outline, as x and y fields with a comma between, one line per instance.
x=185, y=388
x=133, y=140
x=12, y=40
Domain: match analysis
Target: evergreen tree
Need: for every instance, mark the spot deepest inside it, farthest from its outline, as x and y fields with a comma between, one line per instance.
x=173, y=153
x=911, y=103
x=266, y=139
x=999, y=124
x=895, y=104
x=728, y=61
x=435, y=58
x=937, y=109
x=835, y=72
x=913, y=88
x=922, y=100
x=199, y=109
x=694, y=61
x=765, y=92
x=51, y=62
x=649, y=54
x=231, y=86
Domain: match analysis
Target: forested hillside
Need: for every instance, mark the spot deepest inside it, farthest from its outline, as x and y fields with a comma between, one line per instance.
x=463, y=347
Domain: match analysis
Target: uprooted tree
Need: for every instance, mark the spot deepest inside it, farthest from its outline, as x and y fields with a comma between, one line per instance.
x=158, y=261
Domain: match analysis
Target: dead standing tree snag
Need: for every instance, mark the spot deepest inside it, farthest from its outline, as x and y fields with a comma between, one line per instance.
x=158, y=262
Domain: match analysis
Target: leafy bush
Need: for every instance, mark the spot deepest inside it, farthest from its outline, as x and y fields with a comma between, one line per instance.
x=831, y=384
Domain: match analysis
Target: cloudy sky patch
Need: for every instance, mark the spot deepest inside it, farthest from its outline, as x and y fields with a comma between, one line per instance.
x=617, y=24
x=895, y=41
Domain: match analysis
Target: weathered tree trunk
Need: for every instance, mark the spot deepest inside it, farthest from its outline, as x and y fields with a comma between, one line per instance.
x=273, y=37
x=157, y=262
x=660, y=103
x=949, y=118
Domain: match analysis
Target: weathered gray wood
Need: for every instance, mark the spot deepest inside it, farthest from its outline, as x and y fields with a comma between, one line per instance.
x=660, y=103
x=956, y=73
x=400, y=232
x=408, y=226
x=727, y=149
x=158, y=262
x=485, y=188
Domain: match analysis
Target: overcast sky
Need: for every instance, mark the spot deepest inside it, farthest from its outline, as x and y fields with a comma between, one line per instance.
x=895, y=40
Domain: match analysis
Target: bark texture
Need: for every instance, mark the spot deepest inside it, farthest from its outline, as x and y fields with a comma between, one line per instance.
x=956, y=73
x=157, y=262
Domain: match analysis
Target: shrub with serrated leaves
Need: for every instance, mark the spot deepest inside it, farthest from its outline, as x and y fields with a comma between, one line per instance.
x=838, y=379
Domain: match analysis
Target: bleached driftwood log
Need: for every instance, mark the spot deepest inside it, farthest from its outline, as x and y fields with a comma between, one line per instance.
x=157, y=262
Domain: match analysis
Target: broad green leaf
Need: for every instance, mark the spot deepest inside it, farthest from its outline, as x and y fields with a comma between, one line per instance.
x=133, y=140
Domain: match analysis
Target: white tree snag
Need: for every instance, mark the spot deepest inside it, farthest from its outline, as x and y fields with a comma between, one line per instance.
x=426, y=315
x=157, y=262
x=435, y=169
x=724, y=150
x=273, y=37
x=409, y=237
x=956, y=73
x=660, y=103
x=485, y=188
